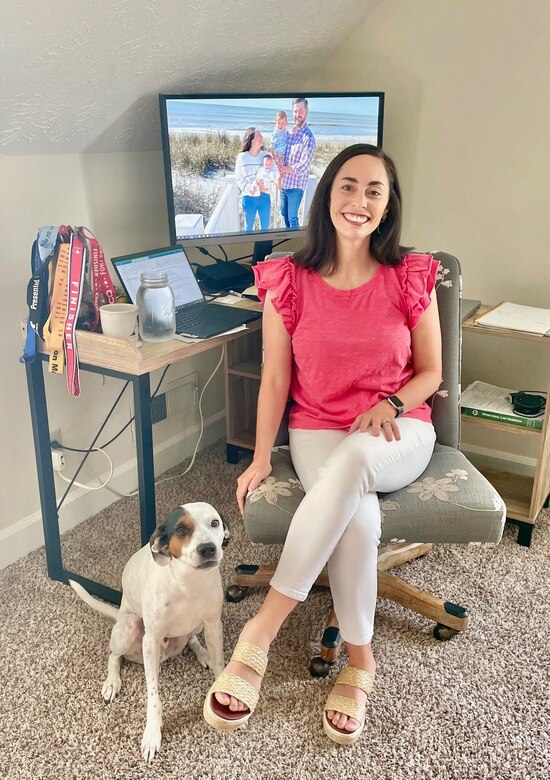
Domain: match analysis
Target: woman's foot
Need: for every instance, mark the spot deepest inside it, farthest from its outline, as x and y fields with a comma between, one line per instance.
x=253, y=633
x=363, y=660
x=233, y=697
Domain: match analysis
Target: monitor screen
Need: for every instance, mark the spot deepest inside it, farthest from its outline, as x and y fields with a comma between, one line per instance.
x=245, y=167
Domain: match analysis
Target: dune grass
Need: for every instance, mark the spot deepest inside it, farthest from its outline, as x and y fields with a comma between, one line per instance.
x=206, y=154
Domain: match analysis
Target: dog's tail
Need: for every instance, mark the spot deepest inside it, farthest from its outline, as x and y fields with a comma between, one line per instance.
x=100, y=606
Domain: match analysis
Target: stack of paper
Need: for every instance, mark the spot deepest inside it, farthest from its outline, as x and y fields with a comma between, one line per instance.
x=513, y=316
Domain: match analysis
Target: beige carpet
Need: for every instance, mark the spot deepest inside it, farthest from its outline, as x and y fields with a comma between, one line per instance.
x=471, y=708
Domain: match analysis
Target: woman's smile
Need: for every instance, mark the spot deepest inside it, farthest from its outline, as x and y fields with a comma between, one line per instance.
x=356, y=219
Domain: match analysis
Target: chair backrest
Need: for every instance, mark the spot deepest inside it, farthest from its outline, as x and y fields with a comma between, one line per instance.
x=446, y=402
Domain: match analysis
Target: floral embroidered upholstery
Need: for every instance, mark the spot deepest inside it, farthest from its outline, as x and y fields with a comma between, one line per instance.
x=451, y=502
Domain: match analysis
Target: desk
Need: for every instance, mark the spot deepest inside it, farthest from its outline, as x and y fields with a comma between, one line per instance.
x=122, y=360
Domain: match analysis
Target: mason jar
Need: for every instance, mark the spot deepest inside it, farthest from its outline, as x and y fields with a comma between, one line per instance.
x=156, y=308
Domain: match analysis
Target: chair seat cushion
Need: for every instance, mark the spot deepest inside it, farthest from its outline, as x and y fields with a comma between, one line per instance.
x=451, y=502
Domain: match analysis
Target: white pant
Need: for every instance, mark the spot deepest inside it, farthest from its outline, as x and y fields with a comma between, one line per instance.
x=338, y=520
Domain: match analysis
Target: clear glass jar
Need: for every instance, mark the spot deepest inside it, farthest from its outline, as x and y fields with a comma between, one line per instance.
x=156, y=308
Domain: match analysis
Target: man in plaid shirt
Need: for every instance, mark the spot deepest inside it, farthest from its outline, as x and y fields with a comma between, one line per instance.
x=298, y=157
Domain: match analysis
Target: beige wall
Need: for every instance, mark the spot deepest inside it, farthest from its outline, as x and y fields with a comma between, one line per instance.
x=467, y=117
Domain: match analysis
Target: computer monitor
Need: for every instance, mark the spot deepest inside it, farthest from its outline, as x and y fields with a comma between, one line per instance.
x=245, y=167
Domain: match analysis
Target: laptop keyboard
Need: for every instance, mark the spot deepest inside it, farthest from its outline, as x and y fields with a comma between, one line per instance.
x=197, y=315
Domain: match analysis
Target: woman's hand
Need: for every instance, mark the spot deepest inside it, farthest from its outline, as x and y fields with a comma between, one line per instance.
x=380, y=418
x=250, y=479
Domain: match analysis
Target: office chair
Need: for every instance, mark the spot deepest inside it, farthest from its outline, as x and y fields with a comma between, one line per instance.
x=450, y=503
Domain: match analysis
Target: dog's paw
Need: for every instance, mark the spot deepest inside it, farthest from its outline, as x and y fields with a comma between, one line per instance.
x=203, y=657
x=111, y=688
x=150, y=744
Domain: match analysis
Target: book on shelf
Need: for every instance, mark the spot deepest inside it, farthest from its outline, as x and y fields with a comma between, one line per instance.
x=513, y=316
x=488, y=402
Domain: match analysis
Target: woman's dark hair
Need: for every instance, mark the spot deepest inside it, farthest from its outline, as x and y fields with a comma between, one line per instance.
x=319, y=252
x=248, y=136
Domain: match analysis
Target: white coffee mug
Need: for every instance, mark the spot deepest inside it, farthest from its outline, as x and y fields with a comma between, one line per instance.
x=119, y=320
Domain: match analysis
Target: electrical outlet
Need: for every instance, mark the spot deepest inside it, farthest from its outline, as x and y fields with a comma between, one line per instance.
x=58, y=459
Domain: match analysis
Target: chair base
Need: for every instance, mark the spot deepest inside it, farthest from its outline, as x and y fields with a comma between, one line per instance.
x=450, y=618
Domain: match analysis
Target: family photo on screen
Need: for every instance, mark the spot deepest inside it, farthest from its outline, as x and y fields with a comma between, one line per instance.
x=247, y=164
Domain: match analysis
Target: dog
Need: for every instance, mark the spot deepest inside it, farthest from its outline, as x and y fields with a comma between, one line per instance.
x=171, y=590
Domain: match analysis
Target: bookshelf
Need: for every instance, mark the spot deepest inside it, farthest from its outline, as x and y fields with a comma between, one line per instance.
x=524, y=496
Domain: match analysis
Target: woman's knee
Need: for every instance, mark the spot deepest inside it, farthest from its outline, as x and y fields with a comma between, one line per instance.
x=349, y=461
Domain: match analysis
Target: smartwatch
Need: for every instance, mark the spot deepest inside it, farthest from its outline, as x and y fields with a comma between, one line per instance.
x=397, y=404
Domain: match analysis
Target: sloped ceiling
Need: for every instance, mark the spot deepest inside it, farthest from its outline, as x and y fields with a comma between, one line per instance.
x=84, y=75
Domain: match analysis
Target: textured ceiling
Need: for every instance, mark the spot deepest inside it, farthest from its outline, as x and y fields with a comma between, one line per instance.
x=84, y=75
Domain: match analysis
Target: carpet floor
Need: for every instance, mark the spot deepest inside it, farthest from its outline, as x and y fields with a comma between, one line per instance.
x=472, y=708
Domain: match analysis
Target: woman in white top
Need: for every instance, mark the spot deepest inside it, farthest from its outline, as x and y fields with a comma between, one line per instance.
x=249, y=161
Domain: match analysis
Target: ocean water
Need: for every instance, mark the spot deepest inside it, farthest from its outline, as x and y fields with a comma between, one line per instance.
x=195, y=117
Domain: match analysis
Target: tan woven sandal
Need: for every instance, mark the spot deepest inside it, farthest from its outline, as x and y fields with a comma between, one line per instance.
x=220, y=717
x=361, y=679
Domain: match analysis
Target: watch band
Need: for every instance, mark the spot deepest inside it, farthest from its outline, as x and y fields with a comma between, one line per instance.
x=397, y=404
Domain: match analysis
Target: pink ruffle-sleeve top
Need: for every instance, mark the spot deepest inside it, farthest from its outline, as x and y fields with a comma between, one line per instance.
x=351, y=348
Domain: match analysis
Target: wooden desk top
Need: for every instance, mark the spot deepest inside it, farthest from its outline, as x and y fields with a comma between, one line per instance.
x=118, y=355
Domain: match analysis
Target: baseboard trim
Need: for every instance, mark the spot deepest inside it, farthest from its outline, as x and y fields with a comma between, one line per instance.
x=26, y=535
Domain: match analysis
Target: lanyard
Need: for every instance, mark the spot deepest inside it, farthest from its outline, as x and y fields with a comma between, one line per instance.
x=77, y=264
x=103, y=288
x=54, y=327
x=43, y=250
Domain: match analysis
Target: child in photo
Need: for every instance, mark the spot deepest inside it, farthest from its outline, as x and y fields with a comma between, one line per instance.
x=279, y=140
x=268, y=173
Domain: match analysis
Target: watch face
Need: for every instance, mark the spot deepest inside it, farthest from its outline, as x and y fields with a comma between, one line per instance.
x=396, y=403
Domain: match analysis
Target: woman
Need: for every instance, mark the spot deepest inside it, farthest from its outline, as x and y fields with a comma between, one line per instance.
x=255, y=197
x=351, y=332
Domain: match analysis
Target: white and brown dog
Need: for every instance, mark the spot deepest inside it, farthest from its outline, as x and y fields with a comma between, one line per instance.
x=171, y=590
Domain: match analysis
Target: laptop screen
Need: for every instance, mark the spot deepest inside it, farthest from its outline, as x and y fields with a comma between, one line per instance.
x=172, y=260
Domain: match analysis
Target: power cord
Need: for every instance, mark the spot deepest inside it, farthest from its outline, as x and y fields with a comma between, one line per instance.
x=91, y=487
x=101, y=449
x=188, y=469
x=205, y=251
x=92, y=446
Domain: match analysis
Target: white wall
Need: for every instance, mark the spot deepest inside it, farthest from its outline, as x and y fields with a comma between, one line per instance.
x=467, y=117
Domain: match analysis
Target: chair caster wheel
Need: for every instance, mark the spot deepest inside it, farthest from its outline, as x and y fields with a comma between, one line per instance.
x=443, y=633
x=318, y=667
x=234, y=594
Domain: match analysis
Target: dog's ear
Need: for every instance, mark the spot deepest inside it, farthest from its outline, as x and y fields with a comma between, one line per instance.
x=226, y=534
x=158, y=544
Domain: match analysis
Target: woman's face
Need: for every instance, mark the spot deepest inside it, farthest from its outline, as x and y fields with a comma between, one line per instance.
x=359, y=196
x=257, y=138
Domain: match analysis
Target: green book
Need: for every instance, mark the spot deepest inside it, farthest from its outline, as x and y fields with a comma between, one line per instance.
x=512, y=419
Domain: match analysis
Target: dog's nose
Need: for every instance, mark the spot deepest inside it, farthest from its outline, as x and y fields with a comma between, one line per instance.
x=206, y=550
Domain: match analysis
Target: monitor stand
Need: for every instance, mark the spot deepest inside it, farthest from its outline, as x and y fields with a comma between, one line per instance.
x=261, y=249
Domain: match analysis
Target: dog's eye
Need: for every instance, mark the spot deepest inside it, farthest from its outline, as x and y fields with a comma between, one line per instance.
x=182, y=531
x=215, y=523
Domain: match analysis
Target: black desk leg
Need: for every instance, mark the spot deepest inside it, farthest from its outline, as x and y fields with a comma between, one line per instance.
x=46, y=484
x=145, y=459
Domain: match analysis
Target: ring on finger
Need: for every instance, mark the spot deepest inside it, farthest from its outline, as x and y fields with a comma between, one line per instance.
x=386, y=421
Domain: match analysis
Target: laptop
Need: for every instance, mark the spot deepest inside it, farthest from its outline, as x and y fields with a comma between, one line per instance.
x=195, y=317
x=468, y=307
